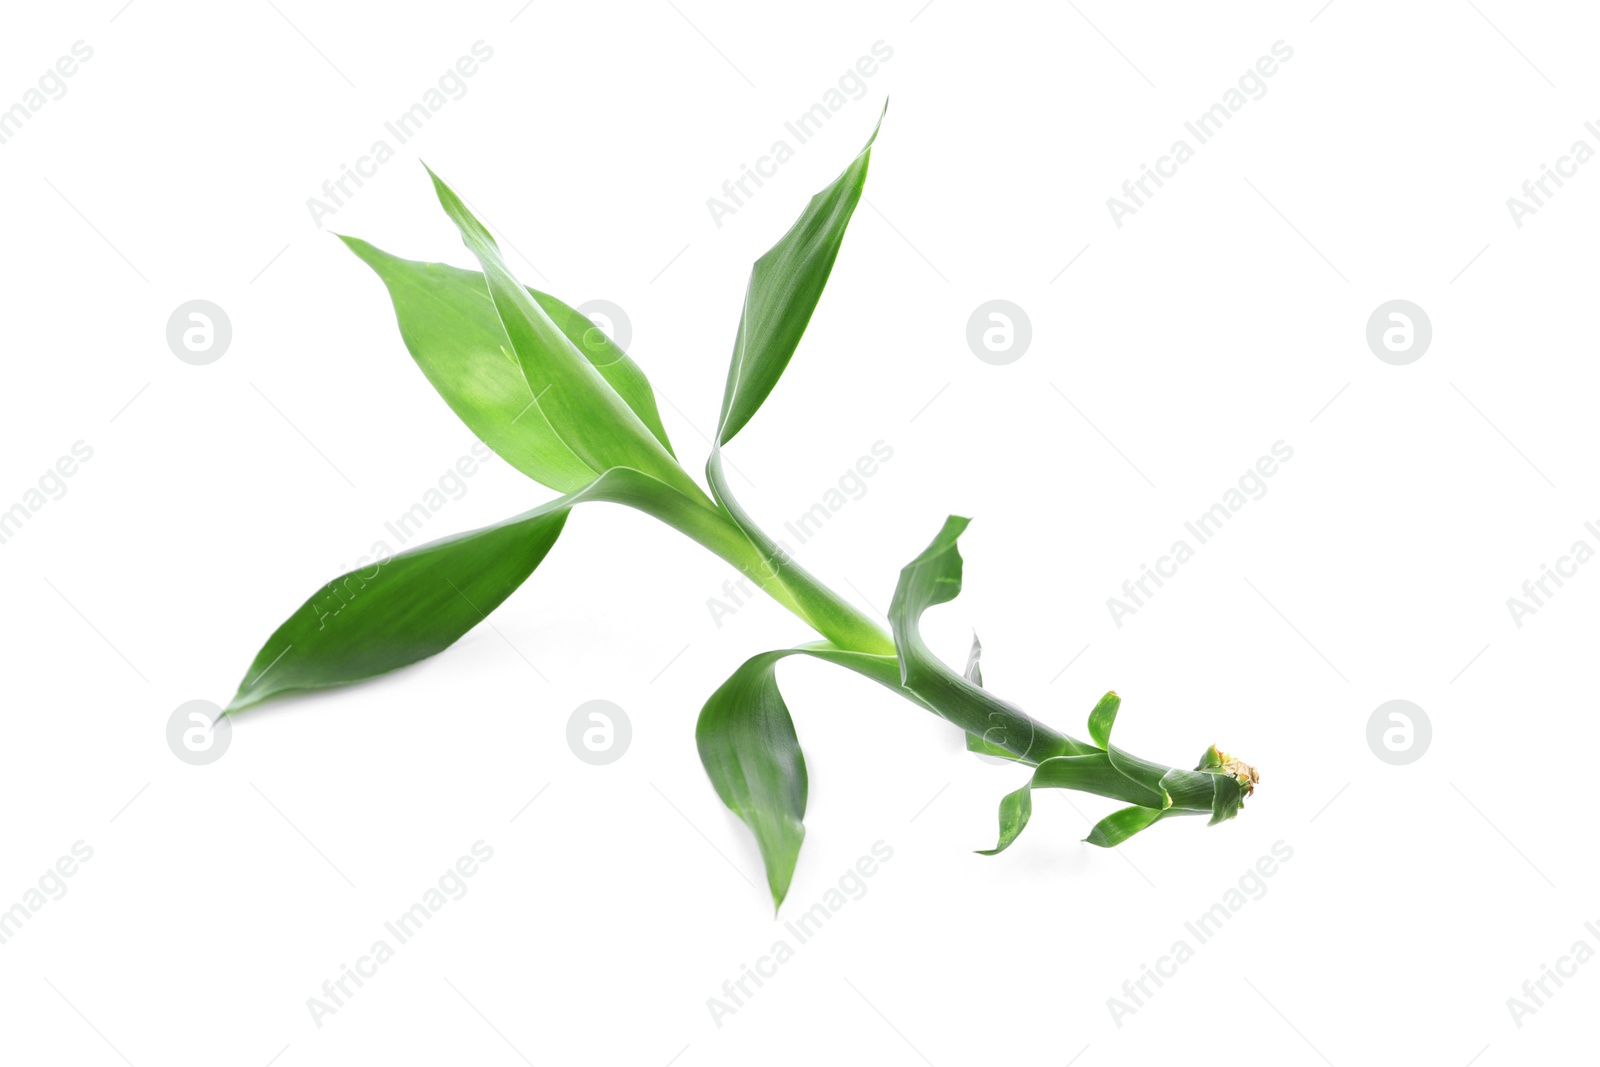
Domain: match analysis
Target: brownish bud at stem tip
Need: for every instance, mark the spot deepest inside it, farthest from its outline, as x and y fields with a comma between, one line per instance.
x=1246, y=774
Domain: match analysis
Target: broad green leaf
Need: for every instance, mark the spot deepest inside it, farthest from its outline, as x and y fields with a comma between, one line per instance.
x=1117, y=827
x=581, y=406
x=933, y=578
x=419, y=602
x=751, y=754
x=749, y=748
x=785, y=285
x=1102, y=717
x=451, y=329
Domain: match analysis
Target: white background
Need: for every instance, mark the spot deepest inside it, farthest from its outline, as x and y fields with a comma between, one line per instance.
x=1226, y=315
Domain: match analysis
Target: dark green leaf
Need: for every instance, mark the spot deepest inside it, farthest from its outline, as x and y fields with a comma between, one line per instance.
x=421, y=601
x=1117, y=827
x=750, y=751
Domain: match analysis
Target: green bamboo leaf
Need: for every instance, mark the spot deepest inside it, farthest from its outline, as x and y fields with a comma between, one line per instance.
x=785, y=285
x=450, y=328
x=581, y=406
x=418, y=603
x=1016, y=808
x=1117, y=827
x=449, y=324
x=752, y=755
x=1227, y=798
x=749, y=748
x=933, y=578
x=1102, y=717
x=1089, y=773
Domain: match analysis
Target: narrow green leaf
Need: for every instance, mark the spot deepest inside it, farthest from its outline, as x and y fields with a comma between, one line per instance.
x=785, y=285
x=1016, y=808
x=1102, y=717
x=421, y=601
x=1089, y=773
x=583, y=409
x=1117, y=827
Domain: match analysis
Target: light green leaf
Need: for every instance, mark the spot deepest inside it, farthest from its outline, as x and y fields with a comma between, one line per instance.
x=451, y=329
x=583, y=409
x=785, y=285
x=1102, y=717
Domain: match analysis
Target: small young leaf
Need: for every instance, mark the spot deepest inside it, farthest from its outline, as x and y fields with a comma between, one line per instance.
x=1227, y=798
x=1117, y=827
x=1016, y=808
x=1102, y=717
x=1090, y=773
x=974, y=673
x=934, y=577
